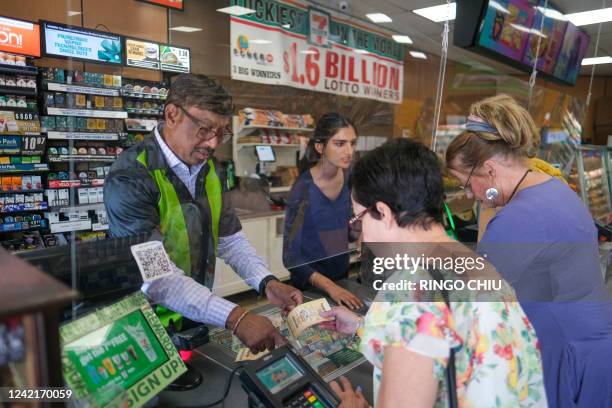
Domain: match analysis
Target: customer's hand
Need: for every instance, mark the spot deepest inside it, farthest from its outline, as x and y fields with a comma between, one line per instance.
x=282, y=295
x=349, y=398
x=343, y=297
x=344, y=321
x=256, y=332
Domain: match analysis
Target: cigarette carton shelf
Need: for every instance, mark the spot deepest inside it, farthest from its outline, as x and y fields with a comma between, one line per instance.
x=88, y=113
x=92, y=136
x=23, y=226
x=17, y=90
x=13, y=208
x=61, y=158
x=18, y=70
x=23, y=168
x=82, y=89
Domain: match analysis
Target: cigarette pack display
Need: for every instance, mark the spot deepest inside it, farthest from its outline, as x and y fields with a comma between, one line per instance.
x=19, y=199
x=35, y=159
x=38, y=197
x=16, y=180
x=62, y=196
x=61, y=122
x=117, y=81
x=26, y=183
x=10, y=199
x=1, y=200
x=92, y=124
x=82, y=123
x=47, y=123
x=108, y=80
x=29, y=198
x=71, y=123
x=49, y=99
x=69, y=75
x=7, y=184
x=15, y=160
x=71, y=100
x=100, y=192
x=83, y=196
x=80, y=101
x=99, y=102
x=100, y=124
x=93, y=195
x=26, y=160
x=60, y=100
x=58, y=74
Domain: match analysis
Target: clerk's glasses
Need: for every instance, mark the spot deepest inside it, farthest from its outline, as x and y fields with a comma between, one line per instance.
x=355, y=220
x=467, y=187
x=206, y=133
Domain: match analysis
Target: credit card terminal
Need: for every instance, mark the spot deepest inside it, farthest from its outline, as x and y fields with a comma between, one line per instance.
x=283, y=379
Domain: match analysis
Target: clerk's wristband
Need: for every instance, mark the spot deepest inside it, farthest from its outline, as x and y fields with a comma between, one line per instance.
x=264, y=282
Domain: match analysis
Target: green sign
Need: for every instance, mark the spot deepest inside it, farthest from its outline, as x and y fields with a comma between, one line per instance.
x=119, y=354
x=296, y=19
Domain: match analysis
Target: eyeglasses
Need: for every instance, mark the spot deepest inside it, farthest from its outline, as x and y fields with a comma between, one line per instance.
x=355, y=220
x=467, y=187
x=206, y=133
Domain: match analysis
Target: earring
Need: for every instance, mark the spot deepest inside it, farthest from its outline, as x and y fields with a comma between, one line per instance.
x=491, y=194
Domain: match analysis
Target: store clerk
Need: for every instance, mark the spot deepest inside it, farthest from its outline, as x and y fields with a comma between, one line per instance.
x=170, y=186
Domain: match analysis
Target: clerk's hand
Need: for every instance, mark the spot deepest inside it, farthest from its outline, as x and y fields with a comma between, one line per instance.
x=284, y=296
x=343, y=297
x=349, y=398
x=344, y=321
x=256, y=332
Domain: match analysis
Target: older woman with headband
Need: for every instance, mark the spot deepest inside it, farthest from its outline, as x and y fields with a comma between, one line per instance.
x=544, y=243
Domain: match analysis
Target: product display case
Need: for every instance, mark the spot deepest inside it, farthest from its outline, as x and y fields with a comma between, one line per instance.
x=590, y=174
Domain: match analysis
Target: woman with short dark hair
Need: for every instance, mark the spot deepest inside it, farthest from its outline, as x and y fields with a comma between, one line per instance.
x=409, y=336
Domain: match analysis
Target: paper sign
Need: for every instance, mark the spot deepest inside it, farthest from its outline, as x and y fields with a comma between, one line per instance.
x=152, y=260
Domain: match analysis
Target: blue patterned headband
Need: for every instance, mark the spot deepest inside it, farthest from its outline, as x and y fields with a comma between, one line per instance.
x=478, y=124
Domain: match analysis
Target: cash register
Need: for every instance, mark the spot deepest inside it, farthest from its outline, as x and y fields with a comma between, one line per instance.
x=283, y=379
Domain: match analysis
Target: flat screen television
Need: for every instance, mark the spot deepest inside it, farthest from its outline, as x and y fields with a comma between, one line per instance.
x=508, y=31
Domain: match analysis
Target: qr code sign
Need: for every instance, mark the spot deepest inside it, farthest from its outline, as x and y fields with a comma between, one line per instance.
x=152, y=260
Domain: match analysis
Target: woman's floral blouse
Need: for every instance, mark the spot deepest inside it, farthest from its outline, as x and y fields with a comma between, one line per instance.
x=497, y=357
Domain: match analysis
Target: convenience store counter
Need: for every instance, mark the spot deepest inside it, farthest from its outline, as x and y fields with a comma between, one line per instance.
x=216, y=365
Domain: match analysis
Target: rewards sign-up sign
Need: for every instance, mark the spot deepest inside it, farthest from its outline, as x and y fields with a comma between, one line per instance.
x=307, y=48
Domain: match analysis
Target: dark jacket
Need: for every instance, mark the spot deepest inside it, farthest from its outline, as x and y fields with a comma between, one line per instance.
x=131, y=198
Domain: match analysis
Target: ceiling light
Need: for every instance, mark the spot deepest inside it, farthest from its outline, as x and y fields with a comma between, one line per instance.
x=498, y=7
x=438, y=13
x=531, y=31
x=402, y=39
x=590, y=17
x=418, y=55
x=72, y=13
x=379, y=18
x=287, y=26
x=597, y=60
x=311, y=52
x=361, y=52
x=236, y=10
x=186, y=29
x=258, y=41
x=552, y=13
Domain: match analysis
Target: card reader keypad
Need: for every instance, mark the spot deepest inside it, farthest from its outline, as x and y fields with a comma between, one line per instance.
x=306, y=399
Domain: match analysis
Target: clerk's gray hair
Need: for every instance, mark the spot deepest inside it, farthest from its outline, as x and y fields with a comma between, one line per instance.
x=202, y=92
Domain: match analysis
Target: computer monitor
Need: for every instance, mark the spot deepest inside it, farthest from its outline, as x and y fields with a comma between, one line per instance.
x=265, y=154
x=118, y=354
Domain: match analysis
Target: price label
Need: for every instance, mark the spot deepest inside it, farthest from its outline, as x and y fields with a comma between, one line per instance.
x=26, y=116
x=33, y=145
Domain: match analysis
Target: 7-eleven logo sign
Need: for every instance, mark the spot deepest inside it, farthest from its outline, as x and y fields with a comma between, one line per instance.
x=319, y=27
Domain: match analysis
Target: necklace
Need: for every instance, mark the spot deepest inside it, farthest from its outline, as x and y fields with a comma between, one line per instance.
x=518, y=184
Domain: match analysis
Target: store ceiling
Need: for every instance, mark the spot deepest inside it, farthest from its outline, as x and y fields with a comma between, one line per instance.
x=427, y=34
